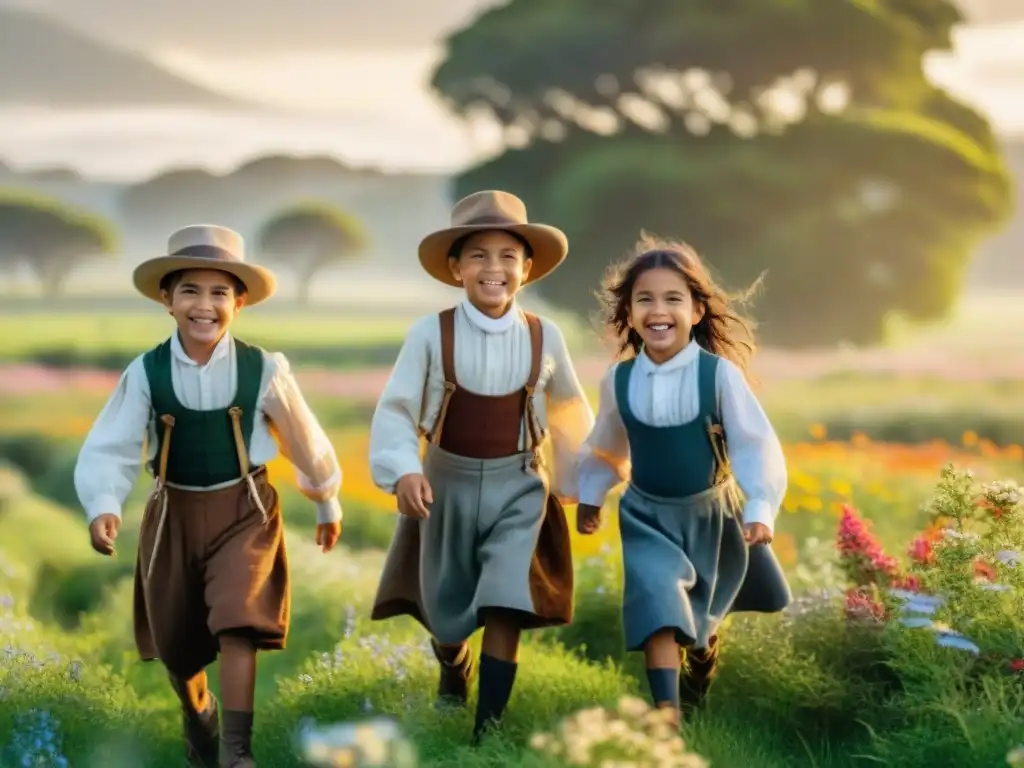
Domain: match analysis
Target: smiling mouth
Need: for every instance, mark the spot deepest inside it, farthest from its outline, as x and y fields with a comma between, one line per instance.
x=202, y=321
x=493, y=282
x=659, y=326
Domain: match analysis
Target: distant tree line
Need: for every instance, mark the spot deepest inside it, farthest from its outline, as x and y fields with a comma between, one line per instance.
x=52, y=239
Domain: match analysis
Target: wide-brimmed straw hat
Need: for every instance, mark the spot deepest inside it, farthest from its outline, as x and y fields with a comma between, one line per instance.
x=206, y=246
x=488, y=211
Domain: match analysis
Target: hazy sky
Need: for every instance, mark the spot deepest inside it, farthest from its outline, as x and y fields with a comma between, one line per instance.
x=287, y=53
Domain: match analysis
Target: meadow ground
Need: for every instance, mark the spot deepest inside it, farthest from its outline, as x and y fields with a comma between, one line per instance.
x=842, y=679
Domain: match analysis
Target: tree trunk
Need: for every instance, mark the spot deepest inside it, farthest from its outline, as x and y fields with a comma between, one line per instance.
x=303, y=290
x=306, y=273
x=52, y=274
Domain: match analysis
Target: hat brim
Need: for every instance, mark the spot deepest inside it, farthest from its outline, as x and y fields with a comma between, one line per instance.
x=549, y=245
x=260, y=283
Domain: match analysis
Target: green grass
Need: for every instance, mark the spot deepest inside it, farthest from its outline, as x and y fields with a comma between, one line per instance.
x=800, y=692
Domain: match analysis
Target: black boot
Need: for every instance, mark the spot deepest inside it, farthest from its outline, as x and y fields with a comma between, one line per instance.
x=236, y=740
x=456, y=668
x=202, y=736
x=201, y=729
x=698, y=675
x=496, y=680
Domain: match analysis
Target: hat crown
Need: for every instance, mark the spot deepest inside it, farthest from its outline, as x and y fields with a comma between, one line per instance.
x=207, y=240
x=490, y=207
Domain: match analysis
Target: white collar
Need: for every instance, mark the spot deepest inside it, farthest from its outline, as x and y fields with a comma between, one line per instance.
x=680, y=360
x=221, y=351
x=489, y=324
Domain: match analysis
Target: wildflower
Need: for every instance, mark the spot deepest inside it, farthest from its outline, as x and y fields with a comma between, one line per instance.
x=914, y=602
x=983, y=570
x=1009, y=557
x=1017, y=665
x=860, y=553
x=947, y=638
x=921, y=551
x=861, y=604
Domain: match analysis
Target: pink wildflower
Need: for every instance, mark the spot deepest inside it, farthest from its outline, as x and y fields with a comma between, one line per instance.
x=862, y=604
x=861, y=554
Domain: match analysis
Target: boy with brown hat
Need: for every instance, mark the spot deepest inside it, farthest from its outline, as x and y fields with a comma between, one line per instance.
x=211, y=576
x=482, y=539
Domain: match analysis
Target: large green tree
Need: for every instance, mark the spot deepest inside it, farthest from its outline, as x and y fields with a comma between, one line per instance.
x=309, y=237
x=52, y=239
x=799, y=137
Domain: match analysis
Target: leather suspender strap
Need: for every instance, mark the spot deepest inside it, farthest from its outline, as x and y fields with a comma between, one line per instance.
x=537, y=355
x=447, y=321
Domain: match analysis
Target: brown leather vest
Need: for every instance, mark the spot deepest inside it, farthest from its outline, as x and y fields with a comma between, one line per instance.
x=484, y=426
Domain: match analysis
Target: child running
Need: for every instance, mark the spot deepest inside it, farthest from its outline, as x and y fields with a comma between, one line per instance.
x=678, y=421
x=482, y=540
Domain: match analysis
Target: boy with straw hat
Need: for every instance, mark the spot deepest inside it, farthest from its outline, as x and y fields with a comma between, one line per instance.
x=482, y=539
x=211, y=577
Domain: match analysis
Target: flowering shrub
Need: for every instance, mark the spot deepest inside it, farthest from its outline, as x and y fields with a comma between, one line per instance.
x=952, y=620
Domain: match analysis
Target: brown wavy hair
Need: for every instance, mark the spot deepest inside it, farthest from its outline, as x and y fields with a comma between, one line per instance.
x=723, y=330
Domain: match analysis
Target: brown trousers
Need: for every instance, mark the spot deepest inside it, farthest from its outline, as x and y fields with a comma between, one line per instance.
x=218, y=570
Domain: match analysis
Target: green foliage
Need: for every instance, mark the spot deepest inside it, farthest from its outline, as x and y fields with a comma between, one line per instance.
x=309, y=236
x=50, y=237
x=819, y=685
x=865, y=196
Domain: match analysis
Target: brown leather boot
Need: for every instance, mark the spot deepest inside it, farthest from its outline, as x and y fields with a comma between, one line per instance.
x=697, y=675
x=456, y=669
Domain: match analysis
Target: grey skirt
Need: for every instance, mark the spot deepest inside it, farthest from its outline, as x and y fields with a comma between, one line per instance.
x=686, y=566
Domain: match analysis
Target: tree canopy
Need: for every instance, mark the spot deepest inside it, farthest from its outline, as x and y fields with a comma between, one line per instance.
x=799, y=137
x=310, y=236
x=50, y=237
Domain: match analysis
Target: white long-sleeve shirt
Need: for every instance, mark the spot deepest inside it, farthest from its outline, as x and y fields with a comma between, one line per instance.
x=492, y=357
x=667, y=395
x=112, y=455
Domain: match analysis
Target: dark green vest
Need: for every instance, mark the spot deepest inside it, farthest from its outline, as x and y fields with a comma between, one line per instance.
x=202, y=450
x=673, y=462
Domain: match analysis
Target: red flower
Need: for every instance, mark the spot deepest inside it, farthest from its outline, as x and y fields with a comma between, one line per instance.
x=921, y=550
x=909, y=583
x=860, y=553
x=1017, y=665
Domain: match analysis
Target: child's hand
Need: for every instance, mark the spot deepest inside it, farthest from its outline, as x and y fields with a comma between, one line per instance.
x=757, y=533
x=327, y=535
x=103, y=532
x=588, y=519
x=414, y=494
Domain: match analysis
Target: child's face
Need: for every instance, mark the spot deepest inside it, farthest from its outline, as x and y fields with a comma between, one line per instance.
x=491, y=267
x=663, y=312
x=203, y=303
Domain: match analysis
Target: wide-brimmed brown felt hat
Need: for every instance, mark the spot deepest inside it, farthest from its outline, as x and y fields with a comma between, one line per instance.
x=206, y=246
x=492, y=210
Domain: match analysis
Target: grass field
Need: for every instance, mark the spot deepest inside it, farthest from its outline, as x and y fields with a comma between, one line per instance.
x=820, y=686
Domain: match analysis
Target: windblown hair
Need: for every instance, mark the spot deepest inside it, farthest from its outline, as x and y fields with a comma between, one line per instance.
x=723, y=330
